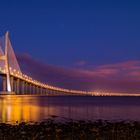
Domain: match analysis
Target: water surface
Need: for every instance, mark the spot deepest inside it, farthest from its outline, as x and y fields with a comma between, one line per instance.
x=38, y=108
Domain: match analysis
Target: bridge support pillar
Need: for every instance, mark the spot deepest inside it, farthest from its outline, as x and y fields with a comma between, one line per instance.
x=12, y=83
x=26, y=87
x=33, y=89
x=15, y=86
x=41, y=90
x=37, y=90
x=30, y=88
x=4, y=83
x=18, y=86
x=23, y=87
x=46, y=91
x=49, y=91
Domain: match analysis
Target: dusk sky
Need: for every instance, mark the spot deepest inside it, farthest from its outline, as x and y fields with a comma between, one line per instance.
x=79, y=44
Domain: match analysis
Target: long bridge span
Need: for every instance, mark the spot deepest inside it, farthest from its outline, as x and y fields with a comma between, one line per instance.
x=14, y=81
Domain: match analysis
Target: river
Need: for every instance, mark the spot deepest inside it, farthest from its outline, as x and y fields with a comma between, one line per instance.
x=31, y=108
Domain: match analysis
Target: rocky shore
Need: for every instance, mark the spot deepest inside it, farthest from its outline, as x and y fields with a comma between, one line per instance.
x=71, y=130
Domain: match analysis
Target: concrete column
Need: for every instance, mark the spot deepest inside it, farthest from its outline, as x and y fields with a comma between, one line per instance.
x=48, y=91
x=15, y=86
x=26, y=87
x=18, y=86
x=36, y=89
x=51, y=91
x=45, y=91
x=54, y=91
x=12, y=83
x=23, y=87
x=57, y=92
x=33, y=89
x=4, y=83
x=41, y=90
x=30, y=88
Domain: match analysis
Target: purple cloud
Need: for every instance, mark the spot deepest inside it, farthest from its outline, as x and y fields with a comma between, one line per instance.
x=119, y=77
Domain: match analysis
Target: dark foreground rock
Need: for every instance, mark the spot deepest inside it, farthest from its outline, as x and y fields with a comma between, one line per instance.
x=71, y=130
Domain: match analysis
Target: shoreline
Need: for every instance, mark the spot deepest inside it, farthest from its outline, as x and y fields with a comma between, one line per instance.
x=71, y=129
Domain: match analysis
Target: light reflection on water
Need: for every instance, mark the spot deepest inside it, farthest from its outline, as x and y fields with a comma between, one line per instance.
x=37, y=108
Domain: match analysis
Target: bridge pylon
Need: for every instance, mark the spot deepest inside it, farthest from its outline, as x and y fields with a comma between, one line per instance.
x=6, y=59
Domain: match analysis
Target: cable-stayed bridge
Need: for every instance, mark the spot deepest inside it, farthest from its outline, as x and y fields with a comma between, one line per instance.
x=14, y=81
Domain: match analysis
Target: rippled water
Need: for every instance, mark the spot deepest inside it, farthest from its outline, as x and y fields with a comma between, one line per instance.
x=37, y=108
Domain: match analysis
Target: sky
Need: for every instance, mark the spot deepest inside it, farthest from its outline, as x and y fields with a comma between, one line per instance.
x=79, y=44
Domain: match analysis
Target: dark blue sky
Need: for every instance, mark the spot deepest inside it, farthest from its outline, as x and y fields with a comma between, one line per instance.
x=76, y=44
x=64, y=32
